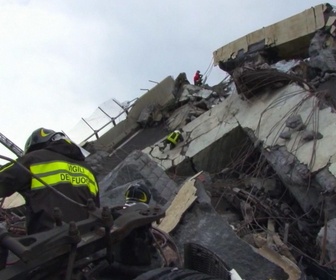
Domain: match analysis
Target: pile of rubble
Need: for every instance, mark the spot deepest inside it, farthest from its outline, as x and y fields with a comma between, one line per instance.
x=261, y=146
x=254, y=180
x=189, y=102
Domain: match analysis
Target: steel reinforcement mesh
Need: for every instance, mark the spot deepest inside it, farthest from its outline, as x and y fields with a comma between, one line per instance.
x=201, y=259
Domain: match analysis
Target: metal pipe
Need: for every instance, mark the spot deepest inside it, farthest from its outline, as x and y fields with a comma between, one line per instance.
x=94, y=131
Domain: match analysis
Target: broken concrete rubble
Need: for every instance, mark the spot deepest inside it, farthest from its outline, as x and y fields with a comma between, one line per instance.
x=151, y=115
x=321, y=52
x=191, y=91
x=293, y=134
x=182, y=116
x=271, y=157
x=208, y=228
x=326, y=241
x=295, y=122
x=180, y=81
x=264, y=144
x=146, y=116
x=137, y=167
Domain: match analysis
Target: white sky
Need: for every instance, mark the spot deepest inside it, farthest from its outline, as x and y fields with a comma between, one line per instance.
x=61, y=59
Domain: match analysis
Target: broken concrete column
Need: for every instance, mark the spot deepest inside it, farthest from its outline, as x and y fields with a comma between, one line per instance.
x=312, y=191
x=294, y=175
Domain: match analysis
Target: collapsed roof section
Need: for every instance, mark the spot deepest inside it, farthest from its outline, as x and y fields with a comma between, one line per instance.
x=287, y=39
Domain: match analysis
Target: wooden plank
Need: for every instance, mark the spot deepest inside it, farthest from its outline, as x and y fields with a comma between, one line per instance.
x=286, y=264
x=182, y=201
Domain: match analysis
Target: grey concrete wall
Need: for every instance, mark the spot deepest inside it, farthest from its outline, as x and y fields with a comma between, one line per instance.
x=160, y=94
x=116, y=134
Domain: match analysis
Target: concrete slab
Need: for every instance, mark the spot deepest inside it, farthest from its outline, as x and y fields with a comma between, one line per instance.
x=266, y=115
x=296, y=30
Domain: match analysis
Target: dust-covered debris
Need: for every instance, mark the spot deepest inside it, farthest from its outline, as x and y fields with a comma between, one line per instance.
x=263, y=142
x=137, y=167
x=263, y=139
x=182, y=201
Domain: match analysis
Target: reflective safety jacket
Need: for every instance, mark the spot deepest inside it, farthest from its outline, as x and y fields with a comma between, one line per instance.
x=175, y=137
x=60, y=165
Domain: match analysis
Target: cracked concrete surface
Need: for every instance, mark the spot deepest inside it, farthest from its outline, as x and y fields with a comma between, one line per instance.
x=266, y=116
x=302, y=155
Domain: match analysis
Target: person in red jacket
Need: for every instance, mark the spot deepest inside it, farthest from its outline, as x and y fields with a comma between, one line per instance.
x=198, y=78
x=51, y=173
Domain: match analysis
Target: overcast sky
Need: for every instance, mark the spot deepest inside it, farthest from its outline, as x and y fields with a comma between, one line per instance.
x=61, y=59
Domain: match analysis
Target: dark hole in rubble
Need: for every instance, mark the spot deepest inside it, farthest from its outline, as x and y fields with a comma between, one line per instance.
x=215, y=157
x=246, y=190
x=28, y=241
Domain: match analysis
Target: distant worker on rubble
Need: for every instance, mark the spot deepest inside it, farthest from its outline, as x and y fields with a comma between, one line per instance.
x=198, y=78
x=51, y=173
x=173, y=139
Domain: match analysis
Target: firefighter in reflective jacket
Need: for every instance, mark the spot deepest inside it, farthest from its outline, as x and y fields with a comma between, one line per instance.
x=58, y=162
x=173, y=139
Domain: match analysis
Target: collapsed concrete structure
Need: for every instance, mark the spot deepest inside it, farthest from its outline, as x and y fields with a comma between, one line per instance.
x=259, y=144
x=264, y=140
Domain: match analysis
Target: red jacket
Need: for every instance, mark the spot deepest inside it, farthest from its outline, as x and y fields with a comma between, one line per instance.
x=197, y=77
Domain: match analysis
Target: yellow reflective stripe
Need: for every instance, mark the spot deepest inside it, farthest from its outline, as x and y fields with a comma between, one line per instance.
x=59, y=172
x=76, y=181
x=172, y=137
x=3, y=168
x=143, y=197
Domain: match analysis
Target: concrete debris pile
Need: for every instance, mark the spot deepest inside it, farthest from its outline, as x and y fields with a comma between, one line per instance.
x=138, y=167
x=264, y=146
x=192, y=101
x=254, y=180
x=150, y=116
x=189, y=102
